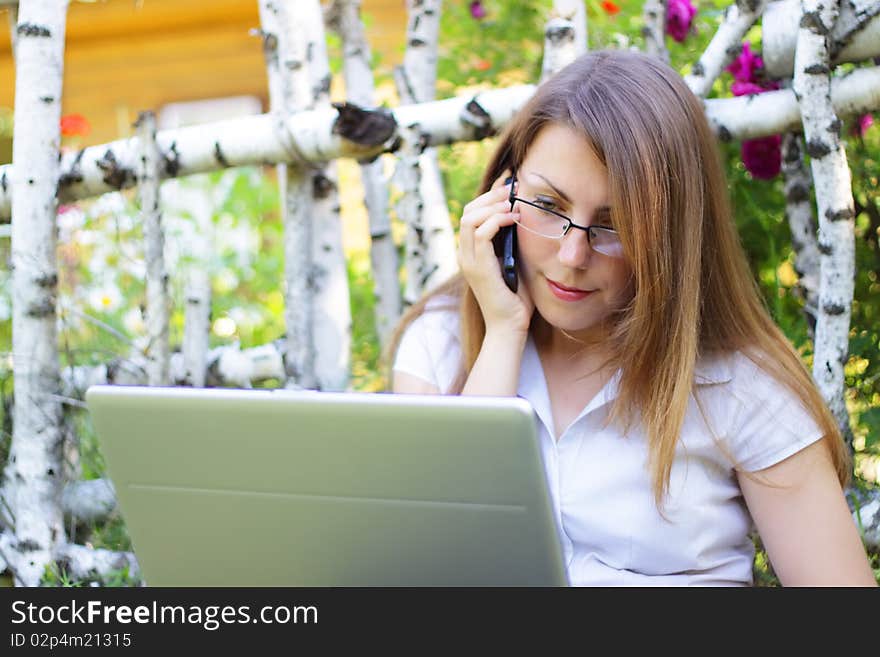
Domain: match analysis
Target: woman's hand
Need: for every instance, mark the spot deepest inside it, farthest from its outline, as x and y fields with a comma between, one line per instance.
x=481, y=220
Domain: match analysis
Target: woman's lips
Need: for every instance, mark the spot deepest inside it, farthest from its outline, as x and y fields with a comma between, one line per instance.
x=567, y=294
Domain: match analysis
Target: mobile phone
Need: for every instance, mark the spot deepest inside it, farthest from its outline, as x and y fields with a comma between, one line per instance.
x=506, y=249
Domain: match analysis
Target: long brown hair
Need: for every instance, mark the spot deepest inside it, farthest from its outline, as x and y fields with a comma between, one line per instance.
x=693, y=292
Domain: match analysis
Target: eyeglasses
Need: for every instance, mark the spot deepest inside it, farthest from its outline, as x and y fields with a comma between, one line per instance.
x=552, y=225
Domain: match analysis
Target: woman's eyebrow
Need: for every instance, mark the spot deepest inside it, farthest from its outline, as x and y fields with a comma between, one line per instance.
x=562, y=194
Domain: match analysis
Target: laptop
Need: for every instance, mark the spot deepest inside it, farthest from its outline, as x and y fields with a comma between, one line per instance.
x=233, y=487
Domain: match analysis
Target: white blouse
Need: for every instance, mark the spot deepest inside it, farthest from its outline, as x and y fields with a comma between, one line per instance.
x=610, y=529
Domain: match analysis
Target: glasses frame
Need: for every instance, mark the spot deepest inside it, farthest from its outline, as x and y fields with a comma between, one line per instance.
x=589, y=230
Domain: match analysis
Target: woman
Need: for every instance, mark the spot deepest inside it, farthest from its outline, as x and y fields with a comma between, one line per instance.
x=675, y=416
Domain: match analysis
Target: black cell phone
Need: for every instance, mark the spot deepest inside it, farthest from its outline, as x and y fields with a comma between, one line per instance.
x=508, y=249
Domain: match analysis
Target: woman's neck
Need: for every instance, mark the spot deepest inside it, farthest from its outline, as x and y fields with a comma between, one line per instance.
x=554, y=344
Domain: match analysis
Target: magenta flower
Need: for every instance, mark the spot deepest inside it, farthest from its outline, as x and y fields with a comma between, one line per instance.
x=679, y=15
x=745, y=88
x=860, y=127
x=763, y=157
x=744, y=66
x=477, y=10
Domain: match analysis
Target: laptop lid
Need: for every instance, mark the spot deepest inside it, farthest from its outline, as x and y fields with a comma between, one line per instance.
x=230, y=487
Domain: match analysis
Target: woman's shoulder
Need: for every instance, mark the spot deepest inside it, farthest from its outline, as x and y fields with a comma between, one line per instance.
x=439, y=314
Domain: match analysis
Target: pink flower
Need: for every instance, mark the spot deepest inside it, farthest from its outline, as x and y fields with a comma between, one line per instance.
x=745, y=65
x=763, y=157
x=679, y=15
x=477, y=10
x=860, y=127
x=745, y=88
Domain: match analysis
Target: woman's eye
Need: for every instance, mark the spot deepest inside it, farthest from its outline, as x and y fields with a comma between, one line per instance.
x=545, y=203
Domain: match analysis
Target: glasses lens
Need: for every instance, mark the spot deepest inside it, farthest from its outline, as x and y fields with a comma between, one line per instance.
x=541, y=222
x=605, y=242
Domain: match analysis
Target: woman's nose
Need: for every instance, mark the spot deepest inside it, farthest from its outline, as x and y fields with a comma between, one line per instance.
x=574, y=248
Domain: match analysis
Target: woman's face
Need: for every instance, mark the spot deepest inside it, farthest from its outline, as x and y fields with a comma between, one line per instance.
x=561, y=173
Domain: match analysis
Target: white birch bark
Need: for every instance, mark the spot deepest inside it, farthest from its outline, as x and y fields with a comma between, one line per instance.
x=654, y=29
x=359, y=88
x=559, y=46
x=82, y=563
x=287, y=66
x=430, y=241
x=776, y=112
x=574, y=11
x=832, y=181
x=32, y=477
x=331, y=330
x=90, y=500
x=158, y=303
x=855, y=35
x=802, y=222
x=227, y=366
x=565, y=36
x=352, y=132
x=725, y=45
x=192, y=199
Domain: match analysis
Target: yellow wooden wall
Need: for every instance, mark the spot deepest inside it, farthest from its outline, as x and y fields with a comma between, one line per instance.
x=124, y=56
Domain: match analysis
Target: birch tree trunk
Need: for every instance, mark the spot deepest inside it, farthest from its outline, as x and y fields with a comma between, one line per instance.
x=329, y=280
x=855, y=35
x=430, y=242
x=565, y=36
x=158, y=305
x=654, y=29
x=725, y=45
x=31, y=491
x=359, y=88
x=192, y=200
x=831, y=177
x=288, y=76
x=802, y=223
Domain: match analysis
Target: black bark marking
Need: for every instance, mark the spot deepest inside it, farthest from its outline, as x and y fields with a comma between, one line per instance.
x=734, y=50
x=817, y=69
x=834, y=309
x=813, y=22
x=798, y=193
x=698, y=69
x=218, y=155
x=840, y=215
x=75, y=174
x=363, y=126
x=792, y=150
x=30, y=181
x=172, y=161
x=825, y=248
x=30, y=29
x=47, y=281
x=817, y=148
x=27, y=545
x=115, y=175
x=835, y=127
x=724, y=134
x=47, y=99
x=415, y=42
x=322, y=186
x=4, y=183
x=752, y=5
x=474, y=114
x=323, y=86
x=560, y=33
x=41, y=309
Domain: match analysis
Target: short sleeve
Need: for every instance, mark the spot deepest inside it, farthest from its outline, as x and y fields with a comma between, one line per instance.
x=429, y=348
x=769, y=422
